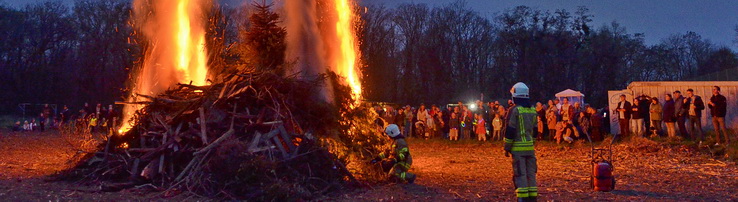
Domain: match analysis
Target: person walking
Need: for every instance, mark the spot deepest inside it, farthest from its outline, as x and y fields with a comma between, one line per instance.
x=656, y=111
x=623, y=110
x=519, y=142
x=693, y=105
x=718, y=107
x=669, y=116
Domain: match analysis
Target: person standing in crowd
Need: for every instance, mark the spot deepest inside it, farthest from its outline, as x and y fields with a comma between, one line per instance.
x=596, y=124
x=400, y=118
x=112, y=119
x=551, y=119
x=389, y=115
x=567, y=119
x=47, y=115
x=491, y=114
x=718, y=107
x=42, y=122
x=510, y=104
x=446, y=118
x=669, y=116
x=623, y=110
x=33, y=126
x=541, y=112
x=453, y=125
x=26, y=126
x=430, y=121
x=694, y=106
x=680, y=113
x=636, y=118
x=496, y=127
x=656, y=114
x=577, y=109
x=65, y=114
x=480, y=128
x=644, y=103
x=438, y=121
x=466, y=123
x=422, y=116
x=408, y=121
x=17, y=127
x=584, y=123
x=567, y=111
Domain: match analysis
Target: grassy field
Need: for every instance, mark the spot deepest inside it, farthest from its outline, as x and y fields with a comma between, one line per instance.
x=645, y=169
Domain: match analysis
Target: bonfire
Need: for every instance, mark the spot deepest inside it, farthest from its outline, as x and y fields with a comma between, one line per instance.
x=249, y=134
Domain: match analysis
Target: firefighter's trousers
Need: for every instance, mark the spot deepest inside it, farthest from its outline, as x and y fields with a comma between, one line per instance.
x=524, y=174
x=400, y=171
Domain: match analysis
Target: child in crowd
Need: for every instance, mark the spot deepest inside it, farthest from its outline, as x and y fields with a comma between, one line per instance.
x=93, y=122
x=497, y=126
x=480, y=130
x=17, y=127
x=33, y=126
x=454, y=127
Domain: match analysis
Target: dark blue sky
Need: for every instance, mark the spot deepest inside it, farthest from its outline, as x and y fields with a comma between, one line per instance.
x=657, y=19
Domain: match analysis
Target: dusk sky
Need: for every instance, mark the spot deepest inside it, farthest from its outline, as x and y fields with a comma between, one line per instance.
x=657, y=19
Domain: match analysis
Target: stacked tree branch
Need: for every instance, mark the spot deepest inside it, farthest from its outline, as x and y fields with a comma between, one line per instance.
x=253, y=136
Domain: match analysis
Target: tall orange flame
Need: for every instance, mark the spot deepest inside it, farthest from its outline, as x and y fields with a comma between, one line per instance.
x=175, y=31
x=346, y=61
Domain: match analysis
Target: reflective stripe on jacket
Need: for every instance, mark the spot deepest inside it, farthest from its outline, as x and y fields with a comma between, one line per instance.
x=521, y=121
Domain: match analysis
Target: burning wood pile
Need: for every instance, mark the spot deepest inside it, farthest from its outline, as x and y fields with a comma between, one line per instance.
x=253, y=136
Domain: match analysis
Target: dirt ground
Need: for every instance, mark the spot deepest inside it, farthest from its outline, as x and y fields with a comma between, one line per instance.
x=447, y=171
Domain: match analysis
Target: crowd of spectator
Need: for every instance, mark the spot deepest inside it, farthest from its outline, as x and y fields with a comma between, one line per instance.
x=94, y=119
x=557, y=120
x=682, y=116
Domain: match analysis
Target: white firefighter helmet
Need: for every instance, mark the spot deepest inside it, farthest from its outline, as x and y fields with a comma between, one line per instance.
x=392, y=130
x=519, y=90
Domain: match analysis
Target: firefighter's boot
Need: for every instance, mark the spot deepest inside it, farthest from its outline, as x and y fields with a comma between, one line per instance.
x=410, y=178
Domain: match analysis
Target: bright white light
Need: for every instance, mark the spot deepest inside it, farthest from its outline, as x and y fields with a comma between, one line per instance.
x=472, y=106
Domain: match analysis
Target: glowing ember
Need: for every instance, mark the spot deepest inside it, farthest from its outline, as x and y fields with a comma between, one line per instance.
x=123, y=146
x=346, y=63
x=175, y=33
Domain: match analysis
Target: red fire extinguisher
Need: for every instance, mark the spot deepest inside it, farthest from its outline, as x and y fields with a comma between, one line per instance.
x=602, y=178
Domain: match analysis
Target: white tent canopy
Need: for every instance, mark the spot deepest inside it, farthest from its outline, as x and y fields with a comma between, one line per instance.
x=572, y=95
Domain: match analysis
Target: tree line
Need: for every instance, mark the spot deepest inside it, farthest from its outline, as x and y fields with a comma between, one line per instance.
x=411, y=53
x=53, y=53
x=414, y=53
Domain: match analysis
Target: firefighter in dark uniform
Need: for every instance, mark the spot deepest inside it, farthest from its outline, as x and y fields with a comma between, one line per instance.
x=519, y=143
x=398, y=159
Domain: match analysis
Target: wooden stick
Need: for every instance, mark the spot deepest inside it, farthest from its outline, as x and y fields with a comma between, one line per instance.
x=161, y=158
x=187, y=168
x=203, y=136
x=216, y=142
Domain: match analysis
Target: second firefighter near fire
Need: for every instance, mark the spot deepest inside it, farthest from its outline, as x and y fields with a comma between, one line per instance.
x=398, y=160
x=519, y=142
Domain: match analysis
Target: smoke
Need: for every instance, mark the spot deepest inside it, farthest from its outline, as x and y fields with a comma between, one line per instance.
x=305, y=44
